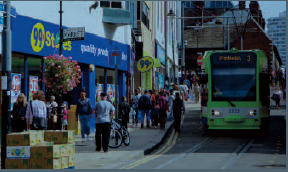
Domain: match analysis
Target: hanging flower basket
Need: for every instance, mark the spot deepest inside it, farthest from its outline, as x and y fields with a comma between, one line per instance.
x=61, y=74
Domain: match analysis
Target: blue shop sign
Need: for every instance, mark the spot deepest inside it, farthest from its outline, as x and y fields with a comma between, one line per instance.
x=37, y=37
x=161, y=54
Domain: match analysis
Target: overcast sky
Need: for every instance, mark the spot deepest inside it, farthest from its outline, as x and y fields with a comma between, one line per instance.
x=269, y=8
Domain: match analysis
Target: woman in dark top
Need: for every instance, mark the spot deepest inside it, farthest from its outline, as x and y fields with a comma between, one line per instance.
x=124, y=110
x=19, y=114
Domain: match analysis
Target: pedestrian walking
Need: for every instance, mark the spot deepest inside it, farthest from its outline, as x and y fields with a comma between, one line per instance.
x=187, y=82
x=52, y=111
x=36, y=112
x=135, y=111
x=277, y=97
x=155, y=115
x=196, y=92
x=124, y=110
x=64, y=119
x=183, y=90
x=178, y=108
x=145, y=105
x=104, y=112
x=171, y=98
x=163, y=110
x=18, y=122
x=84, y=111
x=153, y=97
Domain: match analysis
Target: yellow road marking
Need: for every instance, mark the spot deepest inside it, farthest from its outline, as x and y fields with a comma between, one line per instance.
x=156, y=156
x=149, y=157
x=160, y=152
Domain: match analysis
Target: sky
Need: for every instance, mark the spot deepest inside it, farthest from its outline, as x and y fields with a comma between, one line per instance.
x=269, y=8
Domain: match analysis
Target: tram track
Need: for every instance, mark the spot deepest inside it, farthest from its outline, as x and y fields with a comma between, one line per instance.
x=226, y=164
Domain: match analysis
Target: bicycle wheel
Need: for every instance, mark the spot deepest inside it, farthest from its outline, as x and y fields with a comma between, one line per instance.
x=125, y=136
x=115, y=139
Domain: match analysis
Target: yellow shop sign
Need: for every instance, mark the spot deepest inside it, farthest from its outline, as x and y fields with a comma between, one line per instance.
x=41, y=38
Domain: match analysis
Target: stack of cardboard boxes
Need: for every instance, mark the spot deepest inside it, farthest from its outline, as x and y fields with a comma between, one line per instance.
x=71, y=120
x=52, y=149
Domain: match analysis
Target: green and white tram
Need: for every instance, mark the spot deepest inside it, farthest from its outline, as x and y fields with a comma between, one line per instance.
x=235, y=93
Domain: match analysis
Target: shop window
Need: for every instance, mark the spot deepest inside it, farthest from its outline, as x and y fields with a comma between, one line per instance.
x=34, y=68
x=18, y=68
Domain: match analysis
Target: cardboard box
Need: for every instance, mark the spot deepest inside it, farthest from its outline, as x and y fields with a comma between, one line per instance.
x=65, y=162
x=71, y=161
x=59, y=136
x=73, y=107
x=18, y=152
x=46, y=151
x=43, y=163
x=68, y=149
x=17, y=163
x=44, y=143
x=40, y=135
x=22, y=139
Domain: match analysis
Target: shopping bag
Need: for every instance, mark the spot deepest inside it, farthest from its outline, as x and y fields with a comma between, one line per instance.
x=188, y=96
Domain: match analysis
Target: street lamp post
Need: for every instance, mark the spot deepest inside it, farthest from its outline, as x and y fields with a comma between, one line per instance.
x=6, y=80
x=171, y=15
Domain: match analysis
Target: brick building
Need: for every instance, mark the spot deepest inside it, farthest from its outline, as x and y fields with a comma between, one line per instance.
x=246, y=30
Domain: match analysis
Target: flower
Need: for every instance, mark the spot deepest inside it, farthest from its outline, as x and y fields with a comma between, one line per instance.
x=65, y=72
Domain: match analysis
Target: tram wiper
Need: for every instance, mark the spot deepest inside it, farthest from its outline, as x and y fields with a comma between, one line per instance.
x=233, y=105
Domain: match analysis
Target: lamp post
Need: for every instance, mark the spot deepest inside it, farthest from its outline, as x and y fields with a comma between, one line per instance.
x=60, y=108
x=171, y=15
x=6, y=80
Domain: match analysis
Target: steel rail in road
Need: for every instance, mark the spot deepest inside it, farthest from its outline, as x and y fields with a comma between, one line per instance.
x=236, y=155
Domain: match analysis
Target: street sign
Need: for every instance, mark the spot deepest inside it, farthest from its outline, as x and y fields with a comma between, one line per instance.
x=112, y=56
x=57, y=38
x=74, y=34
x=12, y=10
x=145, y=64
x=199, y=60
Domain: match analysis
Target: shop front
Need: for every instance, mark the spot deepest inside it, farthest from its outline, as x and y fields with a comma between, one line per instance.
x=33, y=39
x=160, y=72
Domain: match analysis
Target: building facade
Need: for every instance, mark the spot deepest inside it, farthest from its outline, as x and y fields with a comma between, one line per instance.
x=277, y=32
x=107, y=27
x=173, y=39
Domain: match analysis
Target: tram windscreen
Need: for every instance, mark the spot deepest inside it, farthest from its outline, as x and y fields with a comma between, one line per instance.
x=233, y=76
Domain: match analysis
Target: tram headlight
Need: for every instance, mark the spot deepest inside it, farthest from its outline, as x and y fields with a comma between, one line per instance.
x=217, y=113
x=251, y=113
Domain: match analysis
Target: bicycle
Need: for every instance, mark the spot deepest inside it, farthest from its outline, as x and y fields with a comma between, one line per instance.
x=118, y=135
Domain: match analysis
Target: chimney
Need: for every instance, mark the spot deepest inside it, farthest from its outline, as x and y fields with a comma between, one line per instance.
x=242, y=5
x=254, y=6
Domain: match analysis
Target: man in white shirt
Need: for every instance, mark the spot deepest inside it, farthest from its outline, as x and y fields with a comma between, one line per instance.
x=183, y=90
x=103, y=111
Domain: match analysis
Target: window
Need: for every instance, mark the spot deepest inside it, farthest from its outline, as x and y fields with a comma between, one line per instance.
x=116, y=4
x=127, y=5
x=227, y=74
x=145, y=15
x=219, y=4
x=158, y=9
x=138, y=10
x=213, y=4
x=207, y=4
x=224, y=3
x=105, y=4
x=111, y=4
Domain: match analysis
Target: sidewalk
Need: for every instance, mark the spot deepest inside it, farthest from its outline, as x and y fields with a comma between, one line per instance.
x=142, y=142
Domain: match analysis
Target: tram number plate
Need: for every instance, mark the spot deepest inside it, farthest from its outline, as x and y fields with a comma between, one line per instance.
x=234, y=111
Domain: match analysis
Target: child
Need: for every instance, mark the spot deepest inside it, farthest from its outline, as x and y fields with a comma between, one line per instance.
x=155, y=114
x=64, y=120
